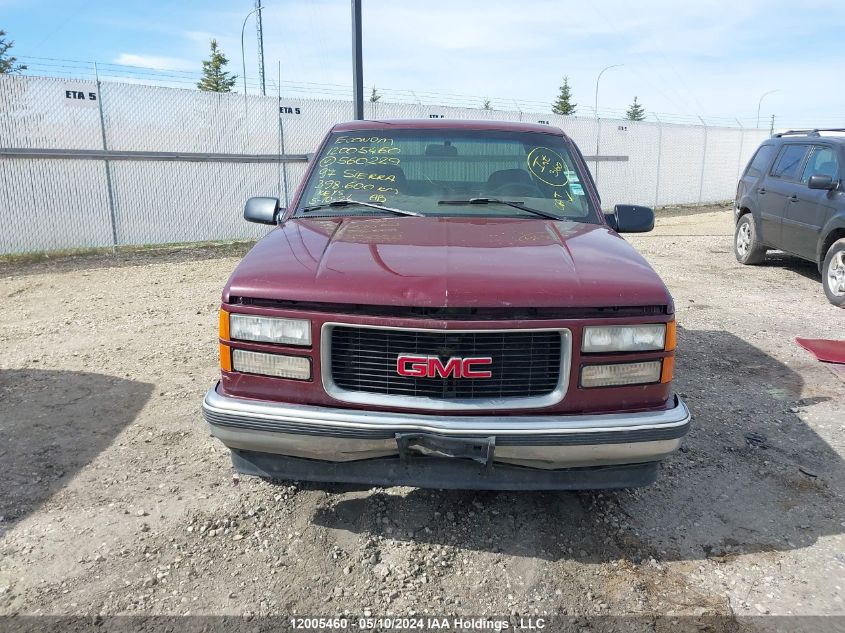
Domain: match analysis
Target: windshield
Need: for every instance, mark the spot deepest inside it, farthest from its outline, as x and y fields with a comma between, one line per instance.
x=447, y=172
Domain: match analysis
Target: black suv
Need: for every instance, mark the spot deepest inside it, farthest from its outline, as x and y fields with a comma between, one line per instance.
x=790, y=198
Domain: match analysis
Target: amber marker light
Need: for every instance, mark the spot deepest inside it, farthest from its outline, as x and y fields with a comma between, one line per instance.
x=225, y=351
x=224, y=325
x=668, y=368
x=225, y=357
x=671, y=335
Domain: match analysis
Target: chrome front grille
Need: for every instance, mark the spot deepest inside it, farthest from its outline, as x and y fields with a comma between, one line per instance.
x=529, y=367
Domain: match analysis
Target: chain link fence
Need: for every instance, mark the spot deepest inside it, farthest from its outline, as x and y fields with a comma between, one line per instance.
x=91, y=165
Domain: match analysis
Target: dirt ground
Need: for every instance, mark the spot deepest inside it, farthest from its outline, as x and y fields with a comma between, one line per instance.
x=114, y=499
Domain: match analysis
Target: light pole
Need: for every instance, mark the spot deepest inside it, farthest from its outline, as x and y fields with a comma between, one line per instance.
x=760, y=102
x=357, y=62
x=596, y=109
x=596, y=112
x=243, y=52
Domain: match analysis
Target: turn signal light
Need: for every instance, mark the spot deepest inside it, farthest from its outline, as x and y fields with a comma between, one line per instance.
x=225, y=358
x=671, y=334
x=224, y=325
x=668, y=369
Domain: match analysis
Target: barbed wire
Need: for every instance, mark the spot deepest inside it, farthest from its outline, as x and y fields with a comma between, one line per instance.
x=179, y=78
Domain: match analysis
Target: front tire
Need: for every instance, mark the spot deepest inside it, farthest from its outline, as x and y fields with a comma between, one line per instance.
x=747, y=246
x=833, y=273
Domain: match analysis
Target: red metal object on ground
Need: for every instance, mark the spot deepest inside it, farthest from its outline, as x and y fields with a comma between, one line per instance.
x=825, y=350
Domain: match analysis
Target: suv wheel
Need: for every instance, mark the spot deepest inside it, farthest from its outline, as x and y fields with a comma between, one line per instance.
x=747, y=247
x=833, y=273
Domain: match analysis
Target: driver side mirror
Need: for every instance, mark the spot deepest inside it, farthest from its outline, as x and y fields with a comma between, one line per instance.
x=630, y=218
x=262, y=210
x=821, y=182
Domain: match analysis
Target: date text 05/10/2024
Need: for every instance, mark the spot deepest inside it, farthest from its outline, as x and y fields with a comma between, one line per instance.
x=418, y=623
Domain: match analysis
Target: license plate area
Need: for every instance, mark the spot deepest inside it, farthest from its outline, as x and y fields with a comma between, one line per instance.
x=477, y=449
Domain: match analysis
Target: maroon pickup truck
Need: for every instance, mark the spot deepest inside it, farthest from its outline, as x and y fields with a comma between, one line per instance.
x=445, y=305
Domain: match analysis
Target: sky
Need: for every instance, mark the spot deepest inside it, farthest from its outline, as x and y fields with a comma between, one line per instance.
x=705, y=58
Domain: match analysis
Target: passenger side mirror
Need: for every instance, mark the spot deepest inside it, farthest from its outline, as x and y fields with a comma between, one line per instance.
x=821, y=182
x=630, y=218
x=262, y=210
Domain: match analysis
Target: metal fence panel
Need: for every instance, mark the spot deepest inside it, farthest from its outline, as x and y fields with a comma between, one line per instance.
x=50, y=204
x=35, y=112
x=157, y=202
x=157, y=119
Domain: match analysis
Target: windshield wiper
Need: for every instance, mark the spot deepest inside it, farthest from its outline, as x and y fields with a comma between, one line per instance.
x=516, y=204
x=337, y=204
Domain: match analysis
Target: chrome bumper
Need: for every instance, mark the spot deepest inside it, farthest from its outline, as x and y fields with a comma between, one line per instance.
x=537, y=441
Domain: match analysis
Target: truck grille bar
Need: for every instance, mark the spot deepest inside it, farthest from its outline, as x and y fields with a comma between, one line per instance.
x=529, y=367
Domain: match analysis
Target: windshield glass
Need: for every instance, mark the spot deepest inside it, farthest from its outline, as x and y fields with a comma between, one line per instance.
x=419, y=170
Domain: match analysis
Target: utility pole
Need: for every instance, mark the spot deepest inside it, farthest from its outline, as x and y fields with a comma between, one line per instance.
x=260, y=35
x=357, y=62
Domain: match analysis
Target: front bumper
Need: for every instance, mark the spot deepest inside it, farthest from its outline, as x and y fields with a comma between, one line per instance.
x=334, y=436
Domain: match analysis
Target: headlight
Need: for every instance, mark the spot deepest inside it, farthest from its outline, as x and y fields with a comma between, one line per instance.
x=248, y=327
x=624, y=338
x=620, y=374
x=277, y=365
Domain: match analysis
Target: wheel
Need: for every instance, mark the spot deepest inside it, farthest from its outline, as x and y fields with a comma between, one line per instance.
x=747, y=247
x=833, y=273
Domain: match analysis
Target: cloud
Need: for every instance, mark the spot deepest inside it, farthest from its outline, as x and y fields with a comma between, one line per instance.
x=155, y=61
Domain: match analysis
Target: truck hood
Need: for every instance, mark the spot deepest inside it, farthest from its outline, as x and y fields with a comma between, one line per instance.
x=447, y=262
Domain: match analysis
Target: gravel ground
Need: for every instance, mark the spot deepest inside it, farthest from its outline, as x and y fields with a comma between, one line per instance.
x=115, y=499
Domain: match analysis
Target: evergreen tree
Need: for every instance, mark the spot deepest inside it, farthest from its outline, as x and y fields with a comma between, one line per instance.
x=214, y=77
x=563, y=104
x=486, y=105
x=636, y=112
x=8, y=63
x=374, y=95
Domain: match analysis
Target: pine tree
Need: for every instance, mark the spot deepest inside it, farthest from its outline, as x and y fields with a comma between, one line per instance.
x=486, y=105
x=563, y=104
x=374, y=95
x=636, y=112
x=8, y=63
x=214, y=77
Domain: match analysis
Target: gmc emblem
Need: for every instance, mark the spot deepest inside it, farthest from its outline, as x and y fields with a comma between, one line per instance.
x=432, y=367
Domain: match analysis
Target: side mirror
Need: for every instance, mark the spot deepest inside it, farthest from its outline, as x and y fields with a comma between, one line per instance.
x=630, y=218
x=262, y=210
x=821, y=182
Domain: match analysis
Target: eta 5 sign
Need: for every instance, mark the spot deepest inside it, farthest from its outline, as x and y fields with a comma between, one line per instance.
x=80, y=95
x=289, y=109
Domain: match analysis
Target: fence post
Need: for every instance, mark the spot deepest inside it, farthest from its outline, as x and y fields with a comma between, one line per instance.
x=741, y=141
x=109, y=191
x=659, y=153
x=703, y=163
x=598, y=139
x=283, y=171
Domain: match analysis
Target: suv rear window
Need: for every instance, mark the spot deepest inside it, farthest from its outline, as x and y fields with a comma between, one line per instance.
x=789, y=161
x=760, y=161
